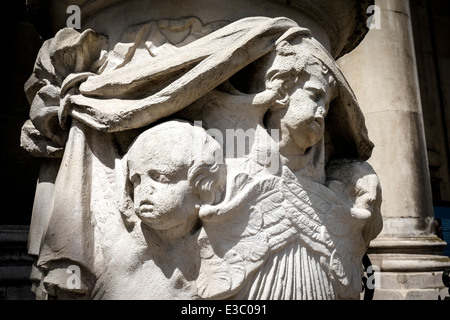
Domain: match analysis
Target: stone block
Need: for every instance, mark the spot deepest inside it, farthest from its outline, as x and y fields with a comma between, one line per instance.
x=424, y=294
x=386, y=294
x=14, y=273
x=19, y=293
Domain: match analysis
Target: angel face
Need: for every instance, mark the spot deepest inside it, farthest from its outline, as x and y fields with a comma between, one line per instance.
x=302, y=122
x=173, y=171
x=162, y=192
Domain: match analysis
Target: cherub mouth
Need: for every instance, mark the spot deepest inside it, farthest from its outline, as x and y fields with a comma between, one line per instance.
x=146, y=206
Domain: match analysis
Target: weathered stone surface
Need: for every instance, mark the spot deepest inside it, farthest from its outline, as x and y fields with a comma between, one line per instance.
x=200, y=156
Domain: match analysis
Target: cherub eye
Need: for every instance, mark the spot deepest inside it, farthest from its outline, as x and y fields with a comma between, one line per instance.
x=316, y=95
x=135, y=179
x=159, y=177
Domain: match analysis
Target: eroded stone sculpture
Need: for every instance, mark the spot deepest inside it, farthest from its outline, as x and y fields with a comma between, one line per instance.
x=198, y=161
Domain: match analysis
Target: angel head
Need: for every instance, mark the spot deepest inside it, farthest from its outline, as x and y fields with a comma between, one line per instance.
x=303, y=88
x=171, y=177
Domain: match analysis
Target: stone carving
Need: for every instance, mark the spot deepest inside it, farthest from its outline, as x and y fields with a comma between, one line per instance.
x=146, y=191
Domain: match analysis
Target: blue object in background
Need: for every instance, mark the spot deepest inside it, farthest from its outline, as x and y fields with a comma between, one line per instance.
x=442, y=214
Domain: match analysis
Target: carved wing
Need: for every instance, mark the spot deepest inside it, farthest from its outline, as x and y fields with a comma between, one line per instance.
x=274, y=225
x=331, y=231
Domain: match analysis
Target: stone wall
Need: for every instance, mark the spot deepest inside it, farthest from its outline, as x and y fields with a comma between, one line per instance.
x=15, y=264
x=430, y=24
x=19, y=168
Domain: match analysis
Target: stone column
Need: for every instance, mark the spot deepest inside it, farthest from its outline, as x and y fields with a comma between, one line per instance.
x=382, y=71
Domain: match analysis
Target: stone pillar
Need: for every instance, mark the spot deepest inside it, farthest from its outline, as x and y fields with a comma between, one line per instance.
x=383, y=73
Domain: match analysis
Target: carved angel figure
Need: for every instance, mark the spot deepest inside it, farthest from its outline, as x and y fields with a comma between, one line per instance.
x=171, y=173
x=300, y=233
x=300, y=206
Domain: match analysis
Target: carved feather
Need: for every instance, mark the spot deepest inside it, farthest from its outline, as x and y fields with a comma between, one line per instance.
x=296, y=235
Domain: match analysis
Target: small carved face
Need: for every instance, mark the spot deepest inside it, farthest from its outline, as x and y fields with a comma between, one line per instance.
x=162, y=193
x=304, y=118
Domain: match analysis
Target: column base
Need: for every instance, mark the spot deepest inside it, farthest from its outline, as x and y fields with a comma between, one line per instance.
x=410, y=286
x=409, y=268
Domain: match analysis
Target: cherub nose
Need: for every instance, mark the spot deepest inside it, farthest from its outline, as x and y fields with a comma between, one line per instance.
x=146, y=188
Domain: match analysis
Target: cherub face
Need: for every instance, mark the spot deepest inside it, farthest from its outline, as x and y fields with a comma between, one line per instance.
x=302, y=123
x=162, y=192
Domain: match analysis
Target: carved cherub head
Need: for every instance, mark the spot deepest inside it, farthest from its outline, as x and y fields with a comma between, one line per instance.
x=173, y=171
x=303, y=88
